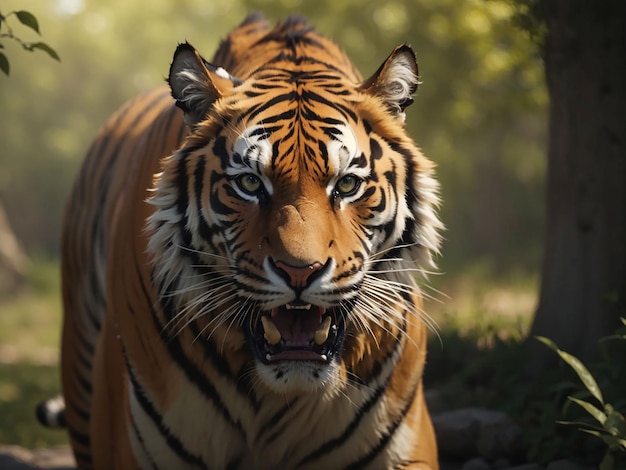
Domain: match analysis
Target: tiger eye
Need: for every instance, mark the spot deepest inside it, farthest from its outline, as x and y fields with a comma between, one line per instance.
x=348, y=185
x=249, y=183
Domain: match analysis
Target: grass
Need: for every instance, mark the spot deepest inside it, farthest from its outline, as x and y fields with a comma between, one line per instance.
x=22, y=386
x=30, y=325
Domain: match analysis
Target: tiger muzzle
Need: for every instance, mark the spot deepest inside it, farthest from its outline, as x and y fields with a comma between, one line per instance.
x=298, y=332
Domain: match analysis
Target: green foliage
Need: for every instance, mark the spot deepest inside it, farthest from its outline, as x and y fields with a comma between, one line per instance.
x=30, y=329
x=531, y=16
x=612, y=425
x=480, y=112
x=22, y=387
x=481, y=359
x=29, y=20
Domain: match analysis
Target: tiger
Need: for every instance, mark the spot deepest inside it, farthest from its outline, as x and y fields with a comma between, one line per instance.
x=240, y=255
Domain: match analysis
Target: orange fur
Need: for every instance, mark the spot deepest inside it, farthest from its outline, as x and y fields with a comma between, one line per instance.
x=159, y=365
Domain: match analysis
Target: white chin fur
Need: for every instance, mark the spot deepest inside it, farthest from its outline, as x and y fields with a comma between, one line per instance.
x=287, y=377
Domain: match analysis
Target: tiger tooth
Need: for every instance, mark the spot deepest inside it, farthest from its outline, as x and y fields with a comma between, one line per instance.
x=271, y=333
x=321, y=335
x=298, y=307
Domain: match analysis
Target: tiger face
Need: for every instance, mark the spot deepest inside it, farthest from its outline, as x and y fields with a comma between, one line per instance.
x=289, y=224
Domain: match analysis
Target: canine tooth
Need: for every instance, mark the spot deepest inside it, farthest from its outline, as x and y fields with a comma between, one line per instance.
x=268, y=357
x=271, y=335
x=321, y=335
x=324, y=357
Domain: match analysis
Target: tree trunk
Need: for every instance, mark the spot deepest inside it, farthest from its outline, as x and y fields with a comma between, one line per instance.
x=583, y=288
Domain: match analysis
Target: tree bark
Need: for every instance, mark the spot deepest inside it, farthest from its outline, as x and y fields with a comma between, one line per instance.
x=583, y=287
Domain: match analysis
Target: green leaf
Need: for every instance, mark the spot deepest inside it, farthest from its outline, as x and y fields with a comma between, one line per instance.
x=580, y=369
x=4, y=63
x=44, y=47
x=548, y=342
x=611, y=441
x=607, y=462
x=28, y=19
x=615, y=423
x=582, y=426
x=597, y=414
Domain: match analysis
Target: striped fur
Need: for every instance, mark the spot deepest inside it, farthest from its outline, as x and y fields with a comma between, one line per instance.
x=277, y=186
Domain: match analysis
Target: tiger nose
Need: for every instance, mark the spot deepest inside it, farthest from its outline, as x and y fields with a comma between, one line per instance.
x=297, y=276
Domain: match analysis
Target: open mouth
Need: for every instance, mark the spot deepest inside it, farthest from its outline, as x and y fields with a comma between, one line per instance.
x=298, y=332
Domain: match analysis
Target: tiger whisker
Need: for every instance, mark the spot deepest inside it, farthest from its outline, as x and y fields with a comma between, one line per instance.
x=381, y=288
x=212, y=283
x=411, y=289
x=205, y=253
x=391, y=248
x=379, y=292
x=218, y=300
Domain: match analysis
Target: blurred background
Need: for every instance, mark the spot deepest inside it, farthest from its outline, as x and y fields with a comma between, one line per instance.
x=480, y=114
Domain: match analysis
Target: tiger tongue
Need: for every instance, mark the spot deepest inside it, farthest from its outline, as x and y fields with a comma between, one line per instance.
x=297, y=327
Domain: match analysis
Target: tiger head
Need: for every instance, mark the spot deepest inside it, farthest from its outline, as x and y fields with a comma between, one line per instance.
x=289, y=224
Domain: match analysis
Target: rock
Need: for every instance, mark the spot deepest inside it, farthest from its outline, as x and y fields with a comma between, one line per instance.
x=565, y=465
x=472, y=432
x=456, y=432
x=448, y=465
x=18, y=458
x=499, y=436
x=501, y=464
x=477, y=463
x=527, y=466
x=434, y=401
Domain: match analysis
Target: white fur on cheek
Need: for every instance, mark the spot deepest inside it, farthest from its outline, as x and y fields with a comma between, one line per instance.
x=254, y=147
x=342, y=149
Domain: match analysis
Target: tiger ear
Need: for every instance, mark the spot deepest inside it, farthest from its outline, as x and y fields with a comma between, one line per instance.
x=395, y=81
x=197, y=84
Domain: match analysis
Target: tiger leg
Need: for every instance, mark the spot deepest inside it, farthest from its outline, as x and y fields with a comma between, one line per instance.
x=427, y=445
x=110, y=443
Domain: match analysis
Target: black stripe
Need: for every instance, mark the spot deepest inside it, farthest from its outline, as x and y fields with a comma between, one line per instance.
x=291, y=96
x=235, y=463
x=83, y=459
x=191, y=371
x=141, y=441
x=82, y=414
x=280, y=430
x=216, y=203
x=182, y=203
x=386, y=437
x=172, y=441
x=82, y=438
x=316, y=97
x=338, y=441
x=87, y=345
x=83, y=383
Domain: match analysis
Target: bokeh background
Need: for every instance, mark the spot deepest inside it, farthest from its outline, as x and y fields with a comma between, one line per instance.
x=480, y=114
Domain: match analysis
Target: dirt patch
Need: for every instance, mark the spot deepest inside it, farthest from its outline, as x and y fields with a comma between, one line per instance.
x=53, y=458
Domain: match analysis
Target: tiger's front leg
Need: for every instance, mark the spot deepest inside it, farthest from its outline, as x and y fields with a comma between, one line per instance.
x=110, y=424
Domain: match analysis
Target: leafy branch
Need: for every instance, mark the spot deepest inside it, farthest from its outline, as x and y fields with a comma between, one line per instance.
x=6, y=32
x=612, y=424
